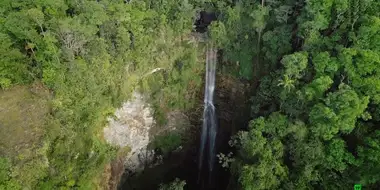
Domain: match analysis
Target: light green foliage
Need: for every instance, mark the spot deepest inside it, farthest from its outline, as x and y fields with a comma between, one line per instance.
x=316, y=16
x=218, y=33
x=91, y=55
x=319, y=14
x=6, y=181
x=316, y=89
x=339, y=112
x=287, y=83
x=368, y=36
x=179, y=82
x=266, y=169
x=362, y=67
x=325, y=65
x=258, y=16
x=295, y=64
x=4, y=170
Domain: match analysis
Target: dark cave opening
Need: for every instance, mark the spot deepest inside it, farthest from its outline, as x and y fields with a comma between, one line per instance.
x=204, y=20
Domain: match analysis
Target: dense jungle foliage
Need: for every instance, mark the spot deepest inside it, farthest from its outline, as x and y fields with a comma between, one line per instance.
x=316, y=110
x=90, y=55
x=314, y=66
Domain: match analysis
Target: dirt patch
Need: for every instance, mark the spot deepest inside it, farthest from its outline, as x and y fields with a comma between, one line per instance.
x=113, y=171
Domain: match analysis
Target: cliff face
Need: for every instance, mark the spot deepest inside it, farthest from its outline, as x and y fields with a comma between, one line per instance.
x=133, y=129
x=130, y=128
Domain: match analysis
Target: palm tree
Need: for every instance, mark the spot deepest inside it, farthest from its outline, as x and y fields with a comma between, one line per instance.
x=287, y=82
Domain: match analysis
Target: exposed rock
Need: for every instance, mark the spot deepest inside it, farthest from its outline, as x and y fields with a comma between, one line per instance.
x=199, y=37
x=133, y=126
x=176, y=121
x=130, y=128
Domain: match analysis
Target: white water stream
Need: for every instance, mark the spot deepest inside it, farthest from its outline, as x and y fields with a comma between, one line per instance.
x=209, y=128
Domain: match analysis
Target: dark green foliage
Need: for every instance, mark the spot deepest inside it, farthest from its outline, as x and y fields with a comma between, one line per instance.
x=369, y=159
x=167, y=143
x=276, y=42
x=177, y=184
x=6, y=181
x=319, y=95
x=12, y=68
x=237, y=31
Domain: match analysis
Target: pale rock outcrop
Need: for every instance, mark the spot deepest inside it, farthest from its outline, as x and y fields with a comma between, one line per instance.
x=130, y=128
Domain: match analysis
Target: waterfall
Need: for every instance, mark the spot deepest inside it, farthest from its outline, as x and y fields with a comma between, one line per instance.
x=209, y=127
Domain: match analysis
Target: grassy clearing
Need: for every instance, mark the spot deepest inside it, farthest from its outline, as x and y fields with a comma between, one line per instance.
x=23, y=112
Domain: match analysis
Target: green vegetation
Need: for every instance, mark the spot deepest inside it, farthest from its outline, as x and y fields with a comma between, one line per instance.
x=167, y=143
x=22, y=115
x=90, y=55
x=315, y=111
x=177, y=184
x=315, y=66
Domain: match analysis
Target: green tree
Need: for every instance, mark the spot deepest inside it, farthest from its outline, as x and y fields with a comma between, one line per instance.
x=322, y=75
x=91, y=55
x=339, y=112
x=369, y=159
x=13, y=69
x=260, y=165
x=177, y=184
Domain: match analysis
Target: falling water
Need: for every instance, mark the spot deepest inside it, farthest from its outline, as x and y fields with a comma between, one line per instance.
x=209, y=127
